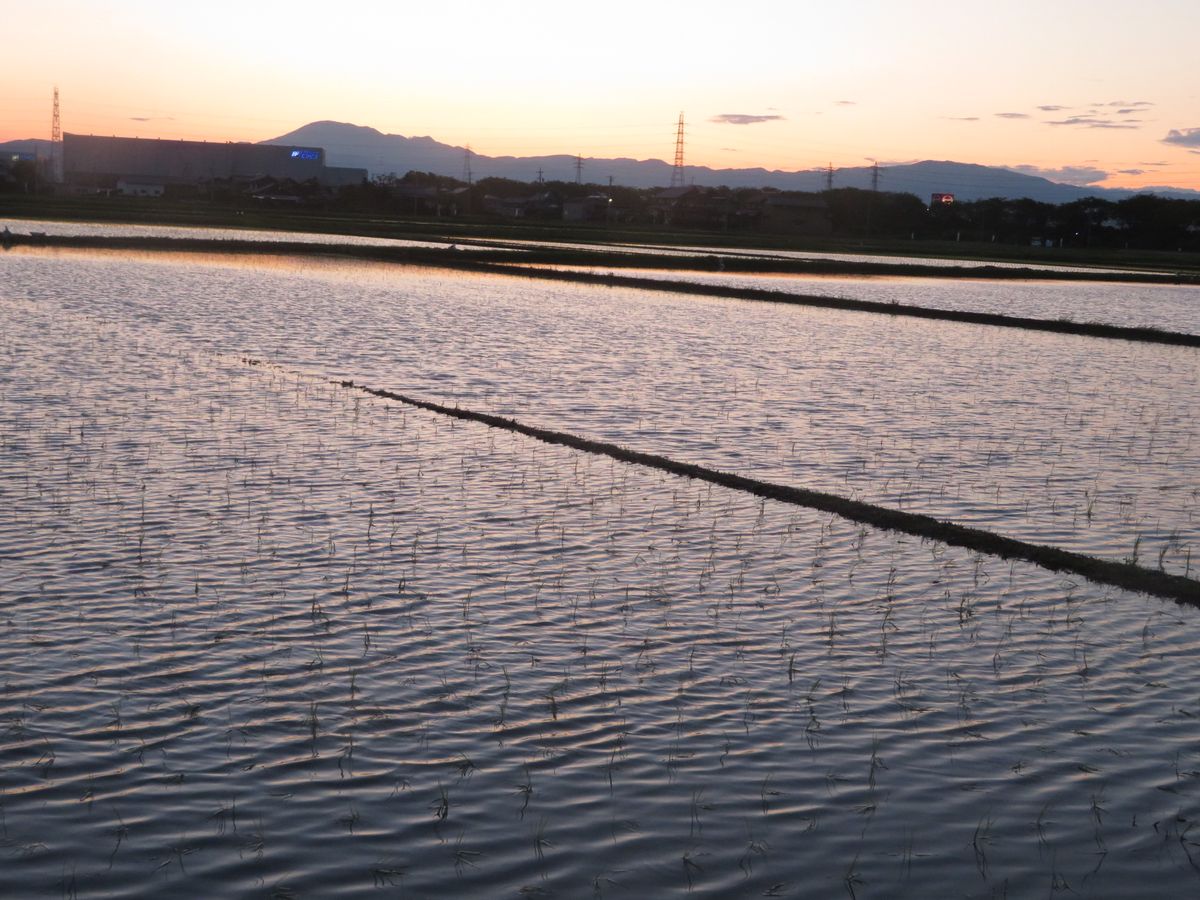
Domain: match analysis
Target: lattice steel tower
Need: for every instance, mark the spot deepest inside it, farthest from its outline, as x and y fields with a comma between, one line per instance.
x=677, y=170
x=55, y=142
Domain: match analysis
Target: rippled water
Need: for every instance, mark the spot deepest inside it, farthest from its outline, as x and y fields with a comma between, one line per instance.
x=263, y=636
x=744, y=253
x=1072, y=441
x=1167, y=307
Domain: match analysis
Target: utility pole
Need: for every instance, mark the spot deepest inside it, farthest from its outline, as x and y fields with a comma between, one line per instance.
x=677, y=170
x=540, y=179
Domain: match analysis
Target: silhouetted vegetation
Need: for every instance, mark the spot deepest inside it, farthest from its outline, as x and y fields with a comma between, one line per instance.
x=1144, y=223
x=1141, y=222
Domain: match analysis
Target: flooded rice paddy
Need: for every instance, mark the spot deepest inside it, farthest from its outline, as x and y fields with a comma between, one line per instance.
x=1084, y=444
x=1165, y=307
x=808, y=255
x=266, y=636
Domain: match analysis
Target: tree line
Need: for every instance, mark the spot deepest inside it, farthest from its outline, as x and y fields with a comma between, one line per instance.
x=1139, y=222
x=1142, y=221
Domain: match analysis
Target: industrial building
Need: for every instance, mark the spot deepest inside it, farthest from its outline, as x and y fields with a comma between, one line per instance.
x=113, y=162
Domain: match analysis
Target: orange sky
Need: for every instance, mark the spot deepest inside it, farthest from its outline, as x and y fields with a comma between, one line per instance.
x=1078, y=91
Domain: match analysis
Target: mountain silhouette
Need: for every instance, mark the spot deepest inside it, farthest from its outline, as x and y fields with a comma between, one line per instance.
x=364, y=147
x=359, y=146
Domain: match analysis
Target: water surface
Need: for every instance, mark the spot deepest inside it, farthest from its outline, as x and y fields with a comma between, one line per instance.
x=264, y=636
x=1072, y=441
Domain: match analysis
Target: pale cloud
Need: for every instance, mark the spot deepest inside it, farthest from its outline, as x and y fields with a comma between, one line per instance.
x=743, y=119
x=1183, y=137
x=1076, y=175
x=1091, y=122
x=1110, y=114
x=1011, y=115
x=844, y=103
x=962, y=118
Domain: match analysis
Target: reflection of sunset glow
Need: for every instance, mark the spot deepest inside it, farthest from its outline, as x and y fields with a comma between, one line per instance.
x=1047, y=88
x=356, y=645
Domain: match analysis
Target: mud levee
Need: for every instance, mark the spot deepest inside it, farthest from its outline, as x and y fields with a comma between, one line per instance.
x=1122, y=575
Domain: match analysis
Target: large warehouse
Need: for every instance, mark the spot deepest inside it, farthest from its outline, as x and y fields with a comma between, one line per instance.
x=102, y=162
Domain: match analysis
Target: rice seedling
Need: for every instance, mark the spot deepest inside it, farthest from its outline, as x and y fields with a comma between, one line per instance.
x=540, y=841
x=691, y=868
x=387, y=873
x=463, y=856
x=979, y=843
x=174, y=853
x=876, y=763
x=441, y=804
x=852, y=879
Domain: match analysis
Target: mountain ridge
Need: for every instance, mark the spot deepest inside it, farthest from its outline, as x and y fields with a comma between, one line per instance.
x=362, y=146
x=365, y=147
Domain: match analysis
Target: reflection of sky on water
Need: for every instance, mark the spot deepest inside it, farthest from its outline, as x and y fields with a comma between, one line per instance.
x=1070, y=441
x=743, y=253
x=264, y=635
x=1168, y=307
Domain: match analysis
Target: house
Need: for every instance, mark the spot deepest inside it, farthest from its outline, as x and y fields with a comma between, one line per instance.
x=134, y=187
x=543, y=205
x=593, y=208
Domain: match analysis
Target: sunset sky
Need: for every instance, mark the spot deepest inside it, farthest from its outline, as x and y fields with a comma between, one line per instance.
x=1098, y=92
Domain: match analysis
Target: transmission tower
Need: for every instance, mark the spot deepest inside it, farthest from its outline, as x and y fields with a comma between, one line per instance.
x=875, y=175
x=829, y=178
x=677, y=169
x=467, y=165
x=579, y=169
x=55, y=142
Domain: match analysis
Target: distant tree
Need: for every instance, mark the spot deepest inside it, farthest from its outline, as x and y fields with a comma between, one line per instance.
x=507, y=188
x=23, y=177
x=1156, y=223
x=429, y=179
x=879, y=213
x=1081, y=222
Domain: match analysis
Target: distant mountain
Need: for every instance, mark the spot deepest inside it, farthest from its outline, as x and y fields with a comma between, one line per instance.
x=358, y=146
x=29, y=145
x=367, y=148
